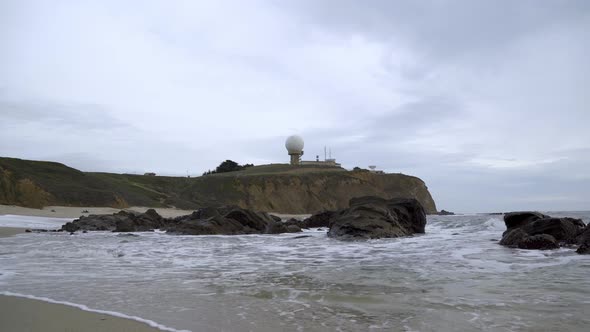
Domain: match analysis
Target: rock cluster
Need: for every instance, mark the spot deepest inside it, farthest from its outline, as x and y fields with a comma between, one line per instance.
x=206, y=221
x=366, y=217
x=235, y=221
x=121, y=221
x=534, y=230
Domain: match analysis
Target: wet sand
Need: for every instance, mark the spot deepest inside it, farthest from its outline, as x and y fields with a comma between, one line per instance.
x=21, y=314
x=10, y=231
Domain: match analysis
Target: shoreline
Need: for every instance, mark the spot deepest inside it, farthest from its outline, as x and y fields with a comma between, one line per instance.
x=20, y=312
x=77, y=211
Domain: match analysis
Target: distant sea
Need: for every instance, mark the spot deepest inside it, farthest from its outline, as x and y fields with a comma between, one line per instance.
x=453, y=278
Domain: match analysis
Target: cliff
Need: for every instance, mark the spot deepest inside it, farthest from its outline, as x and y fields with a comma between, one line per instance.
x=278, y=187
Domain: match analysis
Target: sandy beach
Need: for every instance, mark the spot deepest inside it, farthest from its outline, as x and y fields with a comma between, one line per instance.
x=77, y=211
x=22, y=314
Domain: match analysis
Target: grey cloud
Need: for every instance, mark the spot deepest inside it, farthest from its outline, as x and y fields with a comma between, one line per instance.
x=58, y=114
x=443, y=28
x=484, y=100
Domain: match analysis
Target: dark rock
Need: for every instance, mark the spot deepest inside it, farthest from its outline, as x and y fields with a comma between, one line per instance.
x=518, y=219
x=28, y=231
x=70, y=226
x=206, y=221
x=562, y=229
x=583, y=239
x=293, y=221
x=300, y=236
x=277, y=227
x=257, y=221
x=583, y=235
x=321, y=219
x=584, y=249
x=127, y=235
x=219, y=221
x=148, y=221
x=534, y=230
x=206, y=212
x=121, y=221
x=373, y=217
x=124, y=225
x=540, y=241
x=445, y=213
x=211, y=226
x=513, y=237
x=293, y=229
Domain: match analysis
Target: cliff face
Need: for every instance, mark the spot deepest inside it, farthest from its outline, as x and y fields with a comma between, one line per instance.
x=276, y=188
x=317, y=192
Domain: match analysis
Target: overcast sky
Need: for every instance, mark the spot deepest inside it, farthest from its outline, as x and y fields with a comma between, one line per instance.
x=487, y=101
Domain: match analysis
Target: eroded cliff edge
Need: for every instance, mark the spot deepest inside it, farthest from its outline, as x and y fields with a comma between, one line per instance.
x=310, y=193
x=276, y=188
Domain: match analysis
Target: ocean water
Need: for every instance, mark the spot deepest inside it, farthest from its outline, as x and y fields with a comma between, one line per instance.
x=453, y=278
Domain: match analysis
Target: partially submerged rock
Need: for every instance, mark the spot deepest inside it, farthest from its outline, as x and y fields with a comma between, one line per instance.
x=534, y=230
x=540, y=241
x=583, y=240
x=224, y=221
x=445, y=213
x=121, y=221
x=521, y=218
x=373, y=217
x=207, y=221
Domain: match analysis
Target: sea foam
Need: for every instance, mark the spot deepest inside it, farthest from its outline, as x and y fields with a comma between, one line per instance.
x=10, y=220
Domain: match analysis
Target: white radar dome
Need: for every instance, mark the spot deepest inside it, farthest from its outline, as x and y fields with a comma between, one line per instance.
x=294, y=144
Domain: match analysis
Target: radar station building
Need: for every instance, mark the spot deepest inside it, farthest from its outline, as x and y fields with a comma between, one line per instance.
x=295, y=144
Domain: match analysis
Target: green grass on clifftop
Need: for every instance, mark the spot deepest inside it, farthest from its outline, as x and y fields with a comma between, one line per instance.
x=274, y=187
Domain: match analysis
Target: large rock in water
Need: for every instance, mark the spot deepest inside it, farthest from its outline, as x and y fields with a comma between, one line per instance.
x=518, y=219
x=534, y=230
x=373, y=217
x=583, y=240
x=225, y=221
x=121, y=221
